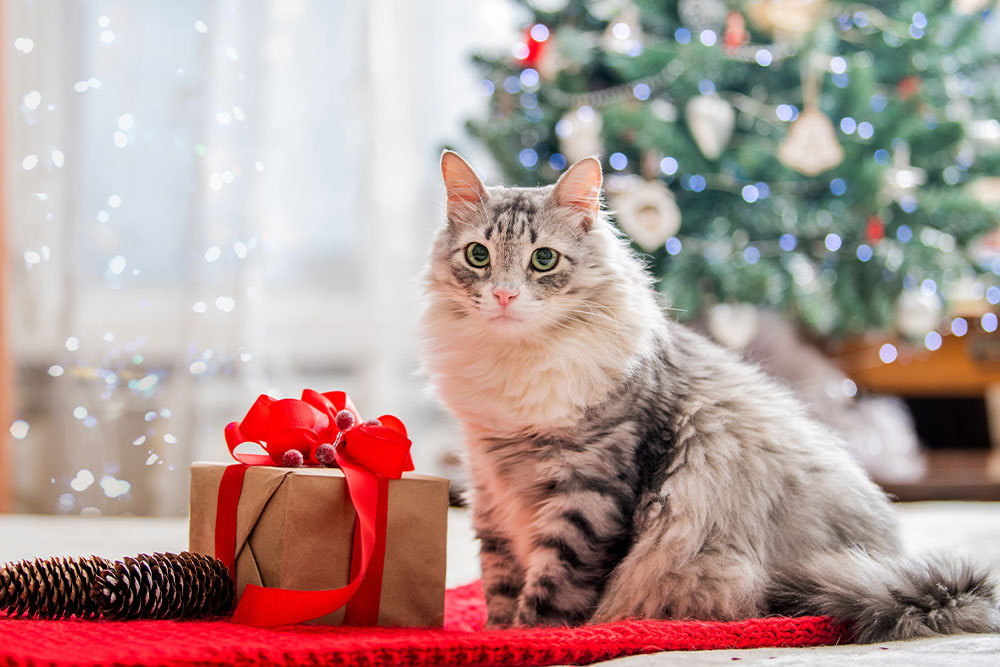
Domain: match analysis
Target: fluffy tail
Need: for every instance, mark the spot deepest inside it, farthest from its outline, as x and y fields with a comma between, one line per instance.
x=886, y=598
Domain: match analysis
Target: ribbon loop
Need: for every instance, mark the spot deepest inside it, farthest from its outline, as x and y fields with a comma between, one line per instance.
x=370, y=455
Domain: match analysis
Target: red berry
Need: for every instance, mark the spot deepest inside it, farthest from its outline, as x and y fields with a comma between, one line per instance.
x=325, y=455
x=292, y=458
x=373, y=422
x=345, y=420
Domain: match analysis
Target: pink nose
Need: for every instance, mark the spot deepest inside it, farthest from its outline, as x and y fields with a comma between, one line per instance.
x=505, y=295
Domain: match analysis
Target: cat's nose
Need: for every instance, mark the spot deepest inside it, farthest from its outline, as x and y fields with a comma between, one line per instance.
x=505, y=295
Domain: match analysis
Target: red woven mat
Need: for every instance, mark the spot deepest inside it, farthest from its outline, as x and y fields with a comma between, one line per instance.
x=463, y=641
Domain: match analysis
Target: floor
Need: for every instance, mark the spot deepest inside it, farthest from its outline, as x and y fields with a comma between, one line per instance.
x=971, y=529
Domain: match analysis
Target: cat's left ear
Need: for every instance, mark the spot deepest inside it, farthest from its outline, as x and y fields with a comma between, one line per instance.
x=580, y=189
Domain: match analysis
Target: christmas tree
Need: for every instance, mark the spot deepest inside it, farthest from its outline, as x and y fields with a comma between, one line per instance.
x=835, y=161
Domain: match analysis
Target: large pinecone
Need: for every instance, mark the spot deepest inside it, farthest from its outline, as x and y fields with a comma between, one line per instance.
x=51, y=588
x=184, y=585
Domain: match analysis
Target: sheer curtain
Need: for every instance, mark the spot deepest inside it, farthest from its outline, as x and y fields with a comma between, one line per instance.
x=211, y=200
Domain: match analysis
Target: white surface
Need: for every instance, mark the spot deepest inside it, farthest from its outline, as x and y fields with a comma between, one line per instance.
x=967, y=529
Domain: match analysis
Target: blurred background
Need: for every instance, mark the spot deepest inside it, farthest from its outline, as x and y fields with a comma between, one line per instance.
x=209, y=200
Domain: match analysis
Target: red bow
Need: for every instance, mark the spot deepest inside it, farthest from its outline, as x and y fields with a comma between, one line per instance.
x=369, y=453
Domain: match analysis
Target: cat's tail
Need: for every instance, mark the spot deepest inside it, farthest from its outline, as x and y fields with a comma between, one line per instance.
x=885, y=598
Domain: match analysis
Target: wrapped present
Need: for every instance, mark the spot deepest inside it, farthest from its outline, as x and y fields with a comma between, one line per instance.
x=359, y=543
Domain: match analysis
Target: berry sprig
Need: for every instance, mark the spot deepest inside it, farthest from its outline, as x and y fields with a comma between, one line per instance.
x=326, y=453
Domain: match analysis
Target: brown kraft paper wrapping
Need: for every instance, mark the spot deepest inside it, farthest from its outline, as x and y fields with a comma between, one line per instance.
x=295, y=529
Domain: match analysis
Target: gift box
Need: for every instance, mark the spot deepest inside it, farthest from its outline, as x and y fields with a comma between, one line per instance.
x=295, y=529
x=351, y=538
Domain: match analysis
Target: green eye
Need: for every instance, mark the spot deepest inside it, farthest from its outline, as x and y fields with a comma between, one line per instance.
x=478, y=255
x=544, y=259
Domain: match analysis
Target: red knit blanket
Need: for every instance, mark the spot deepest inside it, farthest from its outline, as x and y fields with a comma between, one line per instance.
x=463, y=641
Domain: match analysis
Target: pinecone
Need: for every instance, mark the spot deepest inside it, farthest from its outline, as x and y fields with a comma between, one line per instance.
x=183, y=585
x=51, y=588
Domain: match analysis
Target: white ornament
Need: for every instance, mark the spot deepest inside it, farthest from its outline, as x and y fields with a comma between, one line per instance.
x=917, y=313
x=811, y=145
x=710, y=120
x=624, y=33
x=786, y=18
x=645, y=210
x=733, y=325
x=580, y=134
x=901, y=179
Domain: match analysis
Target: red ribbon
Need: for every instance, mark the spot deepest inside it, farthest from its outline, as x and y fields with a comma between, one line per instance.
x=369, y=454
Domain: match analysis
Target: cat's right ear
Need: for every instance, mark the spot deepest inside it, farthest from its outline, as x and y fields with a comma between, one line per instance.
x=579, y=189
x=466, y=192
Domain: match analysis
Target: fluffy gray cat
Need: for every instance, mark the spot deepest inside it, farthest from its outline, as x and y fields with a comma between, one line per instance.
x=625, y=467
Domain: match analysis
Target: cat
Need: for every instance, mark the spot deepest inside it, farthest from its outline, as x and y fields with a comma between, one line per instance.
x=624, y=466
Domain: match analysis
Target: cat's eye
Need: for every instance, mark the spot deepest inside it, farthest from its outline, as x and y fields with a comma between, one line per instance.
x=544, y=259
x=478, y=255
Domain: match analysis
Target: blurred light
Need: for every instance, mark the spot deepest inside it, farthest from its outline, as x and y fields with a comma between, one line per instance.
x=641, y=91
x=539, y=32
x=199, y=307
x=706, y=86
x=198, y=367
x=125, y=122
x=864, y=252
x=512, y=84
x=832, y=242
x=838, y=186
x=170, y=438
x=840, y=80
x=56, y=370
x=529, y=78
x=585, y=113
x=682, y=35
x=878, y=103
x=932, y=341
x=120, y=139
x=117, y=264
x=564, y=128
x=486, y=88
x=697, y=182
x=621, y=30
x=787, y=242
x=72, y=343
x=24, y=44
x=993, y=295
x=904, y=233
x=19, y=429
x=225, y=303
x=618, y=161
x=763, y=190
x=114, y=201
x=838, y=65
x=557, y=161
x=786, y=112
x=882, y=157
x=673, y=245
x=32, y=100
x=84, y=478
x=989, y=322
x=528, y=158
x=668, y=166
x=887, y=353
x=763, y=57
x=751, y=255
x=529, y=101
x=213, y=253
x=79, y=412
x=865, y=130
x=750, y=193
x=708, y=37
x=200, y=26
x=959, y=326
x=850, y=388
x=848, y=125
x=915, y=32
x=928, y=287
x=29, y=162
x=908, y=204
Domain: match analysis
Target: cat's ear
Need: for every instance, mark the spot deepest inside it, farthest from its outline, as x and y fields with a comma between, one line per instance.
x=465, y=191
x=580, y=189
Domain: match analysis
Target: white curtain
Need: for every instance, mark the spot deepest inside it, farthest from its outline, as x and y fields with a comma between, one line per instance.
x=208, y=200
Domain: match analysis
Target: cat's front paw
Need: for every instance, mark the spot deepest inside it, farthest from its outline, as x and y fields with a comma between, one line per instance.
x=533, y=611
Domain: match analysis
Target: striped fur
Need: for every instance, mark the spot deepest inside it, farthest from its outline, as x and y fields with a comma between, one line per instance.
x=624, y=466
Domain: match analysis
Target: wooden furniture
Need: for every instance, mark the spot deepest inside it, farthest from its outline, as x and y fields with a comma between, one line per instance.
x=963, y=367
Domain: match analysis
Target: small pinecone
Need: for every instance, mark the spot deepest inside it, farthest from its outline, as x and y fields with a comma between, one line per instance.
x=51, y=588
x=184, y=585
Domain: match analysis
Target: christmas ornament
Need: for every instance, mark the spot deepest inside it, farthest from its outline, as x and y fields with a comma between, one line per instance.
x=736, y=34
x=917, y=313
x=968, y=7
x=785, y=18
x=580, y=134
x=701, y=15
x=624, y=33
x=733, y=325
x=184, y=585
x=645, y=210
x=901, y=180
x=908, y=86
x=534, y=48
x=711, y=120
x=811, y=145
x=874, y=229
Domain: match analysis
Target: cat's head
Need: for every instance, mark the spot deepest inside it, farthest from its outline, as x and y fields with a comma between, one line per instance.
x=521, y=260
